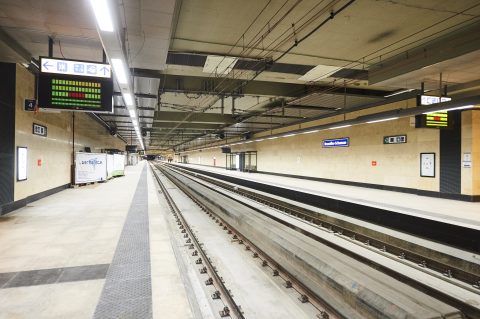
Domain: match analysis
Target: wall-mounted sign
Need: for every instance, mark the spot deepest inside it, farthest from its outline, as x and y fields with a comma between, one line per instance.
x=29, y=105
x=22, y=156
x=74, y=91
x=337, y=142
x=428, y=100
x=74, y=67
x=467, y=160
x=427, y=164
x=374, y=163
x=38, y=129
x=396, y=139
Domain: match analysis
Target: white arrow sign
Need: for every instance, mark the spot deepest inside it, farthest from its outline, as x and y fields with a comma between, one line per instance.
x=72, y=67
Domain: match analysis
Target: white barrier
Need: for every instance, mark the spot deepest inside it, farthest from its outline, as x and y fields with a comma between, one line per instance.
x=90, y=167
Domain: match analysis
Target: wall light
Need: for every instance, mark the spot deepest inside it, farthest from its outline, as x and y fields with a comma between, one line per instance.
x=383, y=120
x=119, y=69
x=102, y=14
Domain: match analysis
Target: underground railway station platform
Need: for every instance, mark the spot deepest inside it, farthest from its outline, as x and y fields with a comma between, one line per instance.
x=257, y=159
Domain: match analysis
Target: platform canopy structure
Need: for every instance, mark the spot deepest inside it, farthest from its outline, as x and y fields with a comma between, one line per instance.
x=204, y=71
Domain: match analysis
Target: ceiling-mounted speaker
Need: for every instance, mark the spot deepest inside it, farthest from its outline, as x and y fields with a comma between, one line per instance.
x=246, y=136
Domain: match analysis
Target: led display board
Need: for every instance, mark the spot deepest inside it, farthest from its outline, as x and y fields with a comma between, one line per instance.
x=75, y=92
x=432, y=120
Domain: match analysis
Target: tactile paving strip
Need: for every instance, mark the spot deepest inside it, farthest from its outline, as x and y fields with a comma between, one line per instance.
x=127, y=292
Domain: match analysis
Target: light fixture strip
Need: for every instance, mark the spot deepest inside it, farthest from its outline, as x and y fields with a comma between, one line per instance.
x=128, y=99
x=452, y=109
x=119, y=68
x=102, y=14
x=340, y=126
x=383, y=120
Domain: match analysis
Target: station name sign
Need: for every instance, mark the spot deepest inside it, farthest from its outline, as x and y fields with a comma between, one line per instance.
x=337, y=142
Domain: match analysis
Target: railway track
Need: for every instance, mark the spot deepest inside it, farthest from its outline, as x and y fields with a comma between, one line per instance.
x=457, y=272
x=231, y=308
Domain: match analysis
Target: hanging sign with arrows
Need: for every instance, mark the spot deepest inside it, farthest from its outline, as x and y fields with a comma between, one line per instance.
x=75, y=86
x=72, y=67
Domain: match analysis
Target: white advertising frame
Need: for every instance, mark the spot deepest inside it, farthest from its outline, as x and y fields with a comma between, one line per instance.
x=427, y=164
x=22, y=163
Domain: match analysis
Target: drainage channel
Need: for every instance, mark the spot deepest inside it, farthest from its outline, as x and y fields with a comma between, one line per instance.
x=304, y=295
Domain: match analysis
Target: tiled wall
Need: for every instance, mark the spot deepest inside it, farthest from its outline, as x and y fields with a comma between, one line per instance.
x=50, y=158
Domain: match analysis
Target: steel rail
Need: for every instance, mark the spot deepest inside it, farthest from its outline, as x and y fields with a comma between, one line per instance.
x=234, y=310
x=305, y=294
x=470, y=281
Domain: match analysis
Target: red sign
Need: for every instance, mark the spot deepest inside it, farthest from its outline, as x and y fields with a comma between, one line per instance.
x=374, y=163
x=39, y=162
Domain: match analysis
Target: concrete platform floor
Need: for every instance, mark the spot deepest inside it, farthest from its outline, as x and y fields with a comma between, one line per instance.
x=466, y=214
x=56, y=254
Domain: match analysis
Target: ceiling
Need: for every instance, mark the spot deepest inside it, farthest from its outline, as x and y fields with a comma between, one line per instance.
x=208, y=70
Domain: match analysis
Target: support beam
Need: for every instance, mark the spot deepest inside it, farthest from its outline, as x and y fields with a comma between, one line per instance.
x=236, y=87
x=16, y=48
x=310, y=107
x=140, y=95
x=188, y=126
x=165, y=116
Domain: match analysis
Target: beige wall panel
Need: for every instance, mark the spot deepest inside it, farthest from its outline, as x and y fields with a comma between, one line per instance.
x=397, y=165
x=475, y=153
x=55, y=150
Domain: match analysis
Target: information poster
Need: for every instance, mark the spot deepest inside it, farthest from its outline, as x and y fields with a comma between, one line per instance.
x=90, y=167
x=22, y=155
x=118, y=165
x=427, y=164
x=109, y=166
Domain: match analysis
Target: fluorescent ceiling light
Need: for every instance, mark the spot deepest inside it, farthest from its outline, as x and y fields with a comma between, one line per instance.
x=132, y=113
x=119, y=69
x=127, y=98
x=383, y=120
x=219, y=64
x=288, y=135
x=319, y=72
x=308, y=132
x=102, y=14
x=341, y=126
x=452, y=109
x=399, y=92
x=272, y=138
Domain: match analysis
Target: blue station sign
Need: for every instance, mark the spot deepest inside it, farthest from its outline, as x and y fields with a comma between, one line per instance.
x=337, y=142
